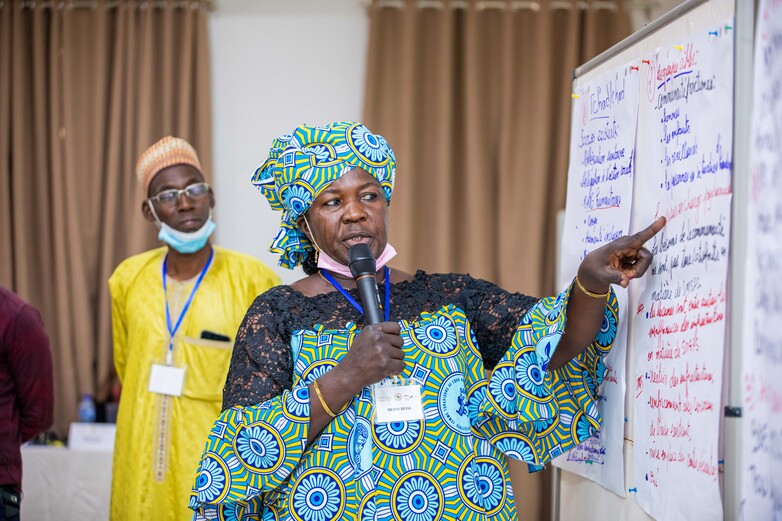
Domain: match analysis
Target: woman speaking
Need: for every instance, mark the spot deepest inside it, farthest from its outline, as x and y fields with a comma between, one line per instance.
x=328, y=416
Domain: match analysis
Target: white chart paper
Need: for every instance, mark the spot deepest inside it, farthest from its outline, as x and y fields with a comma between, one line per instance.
x=599, y=198
x=679, y=336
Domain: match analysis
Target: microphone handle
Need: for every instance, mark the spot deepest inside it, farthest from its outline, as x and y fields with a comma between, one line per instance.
x=367, y=291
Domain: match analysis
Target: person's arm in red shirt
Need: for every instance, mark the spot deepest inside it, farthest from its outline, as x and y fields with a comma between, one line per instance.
x=30, y=360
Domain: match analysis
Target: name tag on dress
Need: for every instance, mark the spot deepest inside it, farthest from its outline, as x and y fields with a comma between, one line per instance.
x=398, y=403
x=166, y=379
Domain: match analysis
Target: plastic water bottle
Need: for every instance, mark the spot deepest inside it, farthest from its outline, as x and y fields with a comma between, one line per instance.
x=87, y=409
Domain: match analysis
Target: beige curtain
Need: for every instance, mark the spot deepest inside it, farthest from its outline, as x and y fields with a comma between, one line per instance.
x=85, y=87
x=474, y=98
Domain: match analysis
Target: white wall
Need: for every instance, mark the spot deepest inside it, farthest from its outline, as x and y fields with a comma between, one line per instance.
x=275, y=64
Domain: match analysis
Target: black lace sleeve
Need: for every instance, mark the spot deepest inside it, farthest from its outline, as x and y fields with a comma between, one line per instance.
x=261, y=366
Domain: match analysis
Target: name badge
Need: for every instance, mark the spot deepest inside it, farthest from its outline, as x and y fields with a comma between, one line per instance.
x=166, y=379
x=398, y=403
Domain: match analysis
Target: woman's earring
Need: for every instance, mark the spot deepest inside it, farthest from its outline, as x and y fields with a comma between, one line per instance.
x=311, y=237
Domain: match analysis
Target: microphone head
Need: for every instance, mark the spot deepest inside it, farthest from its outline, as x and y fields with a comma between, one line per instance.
x=361, y=261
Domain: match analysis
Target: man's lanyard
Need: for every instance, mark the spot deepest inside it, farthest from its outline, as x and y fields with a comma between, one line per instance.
x=387, y=304
x=172, y=330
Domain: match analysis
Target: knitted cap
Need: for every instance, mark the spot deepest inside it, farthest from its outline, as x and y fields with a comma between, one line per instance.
x=169, y=151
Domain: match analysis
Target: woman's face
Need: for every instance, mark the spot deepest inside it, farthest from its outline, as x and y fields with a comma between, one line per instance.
x=349, y=211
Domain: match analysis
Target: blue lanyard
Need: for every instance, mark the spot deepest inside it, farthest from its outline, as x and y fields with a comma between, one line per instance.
x=387, y=304
x=172, y=330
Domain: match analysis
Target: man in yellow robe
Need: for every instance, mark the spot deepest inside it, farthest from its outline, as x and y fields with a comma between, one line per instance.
x=175, y=311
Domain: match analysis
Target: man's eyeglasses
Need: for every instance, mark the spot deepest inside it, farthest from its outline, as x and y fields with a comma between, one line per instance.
x=171, y=197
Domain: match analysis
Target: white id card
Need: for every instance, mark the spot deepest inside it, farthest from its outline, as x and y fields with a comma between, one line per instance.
x=166, y=379
x=397, y=403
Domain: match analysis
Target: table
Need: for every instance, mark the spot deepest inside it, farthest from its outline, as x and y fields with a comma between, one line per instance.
x=64, y=484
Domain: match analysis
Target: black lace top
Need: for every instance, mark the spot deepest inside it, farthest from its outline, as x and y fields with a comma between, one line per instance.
x=262, y=366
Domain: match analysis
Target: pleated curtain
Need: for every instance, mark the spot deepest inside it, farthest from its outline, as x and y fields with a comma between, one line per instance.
x=475, y=99
x=85, y=87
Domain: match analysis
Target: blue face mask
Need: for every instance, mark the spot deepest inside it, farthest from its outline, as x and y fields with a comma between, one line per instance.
x=186, y=242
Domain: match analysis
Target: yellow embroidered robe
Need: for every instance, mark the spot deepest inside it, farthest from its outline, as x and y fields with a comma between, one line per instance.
x=160, y=438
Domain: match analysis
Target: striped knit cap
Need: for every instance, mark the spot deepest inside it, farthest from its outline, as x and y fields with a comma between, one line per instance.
x=169, y=151
x=303, y=163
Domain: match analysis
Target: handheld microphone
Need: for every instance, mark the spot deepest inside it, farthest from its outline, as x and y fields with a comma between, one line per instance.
x=363, y=268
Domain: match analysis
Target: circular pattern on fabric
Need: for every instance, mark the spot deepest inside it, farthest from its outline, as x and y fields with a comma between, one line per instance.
x=452, y=403
x=298, y=198
x=367, y=508
x=213, y=480
x=368, y=147
x=297, y=406
x=516, y=446
x=436, y=337
x=318, y=369
x=259, y=447
x=360, y=446
x=502, y=390
x=465, y=482
x=530, y=377
x=417, y=496
x=607, y=331
x=581, y=428
x=489, y=484
x=317, y=495
x=399, y=437
x=475, y=397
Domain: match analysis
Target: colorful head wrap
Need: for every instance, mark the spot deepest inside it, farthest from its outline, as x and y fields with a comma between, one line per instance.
x=169, y=151
x=302, y=164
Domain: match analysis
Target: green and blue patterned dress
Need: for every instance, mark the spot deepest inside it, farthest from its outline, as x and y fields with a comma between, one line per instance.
x=449, y=466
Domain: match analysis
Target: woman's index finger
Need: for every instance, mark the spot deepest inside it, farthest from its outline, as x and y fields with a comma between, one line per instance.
x=650, y=231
